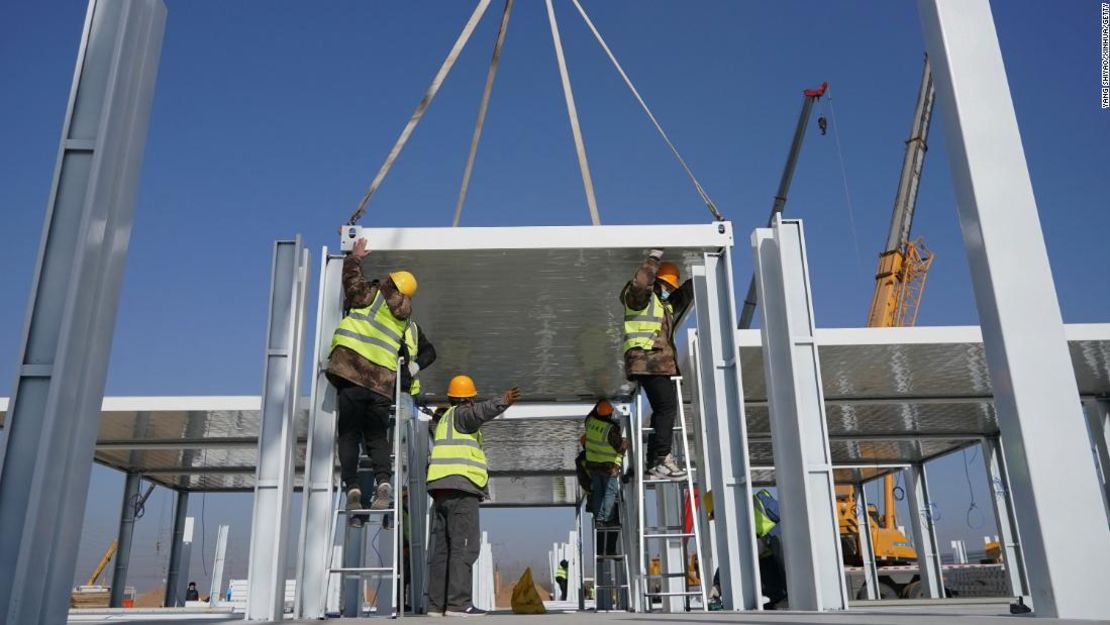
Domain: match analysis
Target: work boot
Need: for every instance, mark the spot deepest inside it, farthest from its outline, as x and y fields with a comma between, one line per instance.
x=354, y=503
x=469, y=611
x=382, y=497
x=667, y=469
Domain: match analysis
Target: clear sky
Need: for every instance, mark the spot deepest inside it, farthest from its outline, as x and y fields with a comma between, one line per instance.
x=271, y=118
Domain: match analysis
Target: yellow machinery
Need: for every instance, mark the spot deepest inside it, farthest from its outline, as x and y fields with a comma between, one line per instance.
x=899, y=285
x=103, y=564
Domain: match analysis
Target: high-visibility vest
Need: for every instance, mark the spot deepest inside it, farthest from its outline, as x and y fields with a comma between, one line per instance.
x=763, y=523
x=456, y=453
x=375, y=334
x=598, y=448
x=561, y=572
x=641, y=327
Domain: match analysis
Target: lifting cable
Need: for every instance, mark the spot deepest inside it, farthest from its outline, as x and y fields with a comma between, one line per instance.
x=572, y=112
x=482, y=108
x=844, y=178
x=433, y=88
x=681, y=161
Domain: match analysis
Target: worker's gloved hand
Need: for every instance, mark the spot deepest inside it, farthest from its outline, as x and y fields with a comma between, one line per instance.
x=414, y=369
x=360, y=249
x=656, y=254
x=511, y=396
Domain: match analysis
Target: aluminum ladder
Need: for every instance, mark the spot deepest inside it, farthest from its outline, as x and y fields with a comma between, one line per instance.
x=611, y=567
x=354, y=541
x=673, y=539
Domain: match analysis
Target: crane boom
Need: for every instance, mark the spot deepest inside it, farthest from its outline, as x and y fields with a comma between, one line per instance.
x=904, y=263
x=809, y=97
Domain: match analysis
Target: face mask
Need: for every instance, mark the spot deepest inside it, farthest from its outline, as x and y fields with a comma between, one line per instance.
x=664, y=294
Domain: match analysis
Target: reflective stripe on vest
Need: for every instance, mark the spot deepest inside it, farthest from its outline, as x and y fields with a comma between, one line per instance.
x=561, y=573
x=763, y=523
x=598, y=448
x=641, y=327
x=456, y=453
x=373, y=333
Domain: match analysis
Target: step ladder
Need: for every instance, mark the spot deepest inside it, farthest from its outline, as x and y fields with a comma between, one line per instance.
x=668, y=536
x=611, y=567
x=356, y=542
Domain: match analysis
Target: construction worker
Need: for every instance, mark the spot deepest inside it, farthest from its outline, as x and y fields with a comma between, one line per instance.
x=457, y=479
x=772, y=566
x=654, y=301
x=604, y=456
x=561, y=579
x=362, y=366
x=583, y=474
x=191, y=593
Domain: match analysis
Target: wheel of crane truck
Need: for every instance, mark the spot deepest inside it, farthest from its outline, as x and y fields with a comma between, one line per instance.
x=886, y=591
x=913, y=590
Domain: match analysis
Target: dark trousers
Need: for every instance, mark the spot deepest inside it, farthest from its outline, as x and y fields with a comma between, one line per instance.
x=562, y=582
x=660, y=391
x=363, y=419
x=456, y=541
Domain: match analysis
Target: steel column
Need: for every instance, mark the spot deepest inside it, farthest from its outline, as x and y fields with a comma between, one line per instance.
x=277, y=438
x=704, y=475
x=924, y=532
x=1023, y=334
x=579, y=576
x=315, y=544
x=175, y=575
x=1004, y=517
x=799, y=431
x=218, y=566
x=46, y=447
x=727, y=453
x=866, y=544
x=1098, y=424
x=131, y=496
x=418, y=450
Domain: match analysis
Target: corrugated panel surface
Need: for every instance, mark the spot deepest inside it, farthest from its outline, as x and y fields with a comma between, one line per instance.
x=546, y=320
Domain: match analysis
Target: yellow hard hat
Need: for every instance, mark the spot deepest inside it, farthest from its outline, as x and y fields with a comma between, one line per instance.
x=405, y=281
x=669, y=273
x=461, y=386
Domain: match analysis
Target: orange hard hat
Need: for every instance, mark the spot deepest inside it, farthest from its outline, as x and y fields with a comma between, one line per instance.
x=669, y=273
x=604, y=408
x=461, y=386
x=405, y=282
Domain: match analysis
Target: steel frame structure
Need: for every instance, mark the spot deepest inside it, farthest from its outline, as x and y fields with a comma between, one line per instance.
x=47, y=446
x=800, y=438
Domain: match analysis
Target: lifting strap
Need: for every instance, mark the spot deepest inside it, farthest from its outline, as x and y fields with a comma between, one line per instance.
x=597, y=35
x=433, y=88
x=482, y=108
x=572, y=112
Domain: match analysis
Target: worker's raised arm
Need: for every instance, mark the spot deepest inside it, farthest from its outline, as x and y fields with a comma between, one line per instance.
x=357, y=291
x=637, y=293
x=470, y=417
x=682, y=297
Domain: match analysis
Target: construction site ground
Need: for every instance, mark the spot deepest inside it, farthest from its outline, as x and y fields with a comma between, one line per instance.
x=913, y=612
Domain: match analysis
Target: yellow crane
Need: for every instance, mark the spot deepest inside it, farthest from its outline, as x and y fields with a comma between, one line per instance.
x=899, y=284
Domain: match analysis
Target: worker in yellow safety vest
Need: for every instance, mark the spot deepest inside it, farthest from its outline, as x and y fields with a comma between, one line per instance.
x=561, y=579
x=366, y=347
x=457, y=481
x=654, y=302
x=605, y=449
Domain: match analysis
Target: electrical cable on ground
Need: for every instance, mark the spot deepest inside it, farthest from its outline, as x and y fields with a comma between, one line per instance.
x=627, y=81
x=844, y=178
x=572, y=113
x=482, y=108
x=433, y=88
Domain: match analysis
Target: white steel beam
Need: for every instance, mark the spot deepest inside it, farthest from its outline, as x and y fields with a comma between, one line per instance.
x=866, y=544
x=1005, y=518
x=277, y=439
x=1098, y=424
x=800, y=438
x=418, y=450
x=315, y=545
x=704, y=473
x=216, y=593
x=727, y=453
x=710, y=237
x=1034, y=384
x=131, y=496
x=46, y=448
x=178, y=568
x=924, y=532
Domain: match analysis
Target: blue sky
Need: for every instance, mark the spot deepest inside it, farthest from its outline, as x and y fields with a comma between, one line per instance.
x=270, y=119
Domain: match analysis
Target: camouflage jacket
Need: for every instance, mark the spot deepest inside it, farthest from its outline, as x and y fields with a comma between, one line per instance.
x=661, y=359
x=344, y=363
